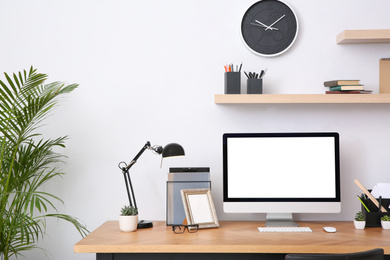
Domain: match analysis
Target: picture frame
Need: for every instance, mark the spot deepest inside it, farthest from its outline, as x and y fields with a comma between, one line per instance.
x=199, y=208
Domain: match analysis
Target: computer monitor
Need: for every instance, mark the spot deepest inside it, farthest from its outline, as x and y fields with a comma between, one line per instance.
x=280, y=174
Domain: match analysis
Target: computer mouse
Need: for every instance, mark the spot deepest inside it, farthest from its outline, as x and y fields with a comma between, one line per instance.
x=330, y=229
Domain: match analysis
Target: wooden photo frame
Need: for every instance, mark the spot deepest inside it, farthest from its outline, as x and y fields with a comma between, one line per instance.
x=199, y=207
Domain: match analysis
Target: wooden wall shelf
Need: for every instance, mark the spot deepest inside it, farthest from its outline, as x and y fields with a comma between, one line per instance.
x=345, y=37
x=363, y=36
x=302, y=98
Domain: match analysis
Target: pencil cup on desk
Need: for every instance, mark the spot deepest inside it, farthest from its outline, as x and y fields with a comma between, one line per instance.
x=372, y=214
x=254, y=86
x=232, y=82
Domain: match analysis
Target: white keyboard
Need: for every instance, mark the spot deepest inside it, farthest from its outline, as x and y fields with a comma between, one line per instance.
x=284, y=229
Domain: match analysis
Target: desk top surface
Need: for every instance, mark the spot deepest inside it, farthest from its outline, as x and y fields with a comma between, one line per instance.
x=234, y=237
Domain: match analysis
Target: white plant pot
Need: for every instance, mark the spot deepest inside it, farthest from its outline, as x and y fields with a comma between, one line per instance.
x=359, y=224
x=128, y=223
x=385, y=224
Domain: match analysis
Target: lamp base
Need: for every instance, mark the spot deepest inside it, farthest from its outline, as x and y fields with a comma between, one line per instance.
x=145, y=224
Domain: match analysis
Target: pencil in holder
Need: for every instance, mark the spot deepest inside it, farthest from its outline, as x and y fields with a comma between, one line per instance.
x=373, y=216
x=232, y=82
x=254, y=86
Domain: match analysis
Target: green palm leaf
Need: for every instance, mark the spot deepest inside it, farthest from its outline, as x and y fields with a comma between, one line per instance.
x=27, y=160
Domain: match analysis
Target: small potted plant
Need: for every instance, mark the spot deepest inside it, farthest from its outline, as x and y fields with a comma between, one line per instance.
x=128, y=220
x=359, y=221
x=385, y=221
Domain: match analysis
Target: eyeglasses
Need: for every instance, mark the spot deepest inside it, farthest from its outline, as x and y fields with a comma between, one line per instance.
x=179, y=229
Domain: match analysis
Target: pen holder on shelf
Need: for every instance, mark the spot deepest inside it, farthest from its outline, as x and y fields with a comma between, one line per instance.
x=232, y=82
x=373, y=218
x=254, y=86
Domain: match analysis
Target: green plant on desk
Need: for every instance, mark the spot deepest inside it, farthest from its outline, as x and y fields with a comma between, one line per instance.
x=359, y=216
x=128, y=220
x=385, y=218
x=129, y=211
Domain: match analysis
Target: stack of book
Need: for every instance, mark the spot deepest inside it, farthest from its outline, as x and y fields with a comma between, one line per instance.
x=345, y=87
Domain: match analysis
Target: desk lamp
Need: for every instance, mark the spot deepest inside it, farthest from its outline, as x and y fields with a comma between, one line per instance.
x=170, y=150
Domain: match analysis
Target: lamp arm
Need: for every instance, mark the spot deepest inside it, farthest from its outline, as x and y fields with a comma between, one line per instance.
x=146, y=146
x=126, y=175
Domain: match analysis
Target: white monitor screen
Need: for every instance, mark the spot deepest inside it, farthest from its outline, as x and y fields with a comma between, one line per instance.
x=281, y=167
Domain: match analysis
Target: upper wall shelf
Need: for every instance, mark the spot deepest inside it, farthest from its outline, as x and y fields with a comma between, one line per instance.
x=345, y=37
x=364, y=36
x=301, y=98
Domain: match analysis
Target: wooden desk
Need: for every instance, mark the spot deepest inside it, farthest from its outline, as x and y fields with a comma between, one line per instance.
x=231, y=238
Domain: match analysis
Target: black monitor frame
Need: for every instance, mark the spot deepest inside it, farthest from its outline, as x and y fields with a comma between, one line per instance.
x=335, y=135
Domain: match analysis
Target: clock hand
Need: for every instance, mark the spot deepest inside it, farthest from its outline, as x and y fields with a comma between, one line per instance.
x=264, y=25
x=275, y=22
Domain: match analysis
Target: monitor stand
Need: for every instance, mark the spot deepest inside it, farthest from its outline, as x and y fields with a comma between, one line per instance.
x=280, y=220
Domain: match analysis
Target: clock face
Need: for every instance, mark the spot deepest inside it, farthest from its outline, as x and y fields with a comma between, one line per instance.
x=269, y=28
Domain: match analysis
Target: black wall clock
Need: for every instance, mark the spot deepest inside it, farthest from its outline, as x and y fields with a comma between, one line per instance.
x=269, y=28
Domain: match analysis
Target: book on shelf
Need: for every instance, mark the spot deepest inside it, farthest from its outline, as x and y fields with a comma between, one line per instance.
x=342, y=82
x=347, y=87
x=349, y=92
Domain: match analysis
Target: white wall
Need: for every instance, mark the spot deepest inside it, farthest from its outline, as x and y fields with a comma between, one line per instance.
x=148, y=71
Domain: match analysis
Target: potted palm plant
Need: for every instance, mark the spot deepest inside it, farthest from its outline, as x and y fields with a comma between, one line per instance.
x=27, y=161
x=385, y=221
x=359, y=221
x=128, y=220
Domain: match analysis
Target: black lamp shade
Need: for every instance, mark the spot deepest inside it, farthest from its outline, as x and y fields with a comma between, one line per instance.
x=172, y=149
